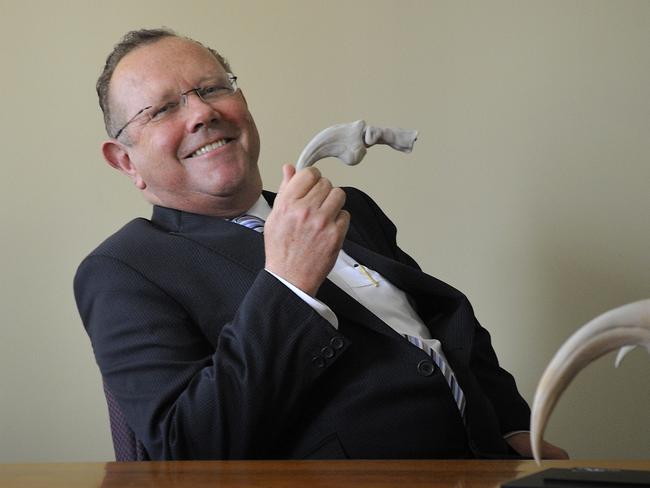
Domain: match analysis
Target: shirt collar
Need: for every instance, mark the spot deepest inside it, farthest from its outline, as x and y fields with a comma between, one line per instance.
x=260, y=209
x=180, y=221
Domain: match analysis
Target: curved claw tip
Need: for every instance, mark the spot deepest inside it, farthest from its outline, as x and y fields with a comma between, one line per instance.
x=622, y=352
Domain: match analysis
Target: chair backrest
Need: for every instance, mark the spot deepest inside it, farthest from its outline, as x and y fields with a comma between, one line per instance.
x=126, y=446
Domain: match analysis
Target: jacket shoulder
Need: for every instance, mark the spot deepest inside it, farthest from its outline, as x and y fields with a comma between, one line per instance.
x=136, y=237
x=138, y=244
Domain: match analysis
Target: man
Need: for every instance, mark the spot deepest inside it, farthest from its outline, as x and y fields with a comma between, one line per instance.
x=221, y=342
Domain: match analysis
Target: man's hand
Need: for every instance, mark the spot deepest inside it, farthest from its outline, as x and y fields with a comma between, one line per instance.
x=520, y=442
x=305, y=230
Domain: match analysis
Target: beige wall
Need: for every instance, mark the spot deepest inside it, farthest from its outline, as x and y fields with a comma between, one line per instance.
x=531, y=174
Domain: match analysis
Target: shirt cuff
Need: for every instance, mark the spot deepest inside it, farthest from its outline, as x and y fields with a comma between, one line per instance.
x=319, y=307
x=510, y=434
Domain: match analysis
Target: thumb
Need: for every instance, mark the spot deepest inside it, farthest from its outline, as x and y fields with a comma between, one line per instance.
x=288, y=171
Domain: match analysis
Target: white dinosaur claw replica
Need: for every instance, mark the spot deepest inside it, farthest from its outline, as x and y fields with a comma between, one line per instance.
x=348, y=142
x=623, y=327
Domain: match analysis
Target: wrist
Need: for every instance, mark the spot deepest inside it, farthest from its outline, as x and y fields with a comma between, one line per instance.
x=306, y=286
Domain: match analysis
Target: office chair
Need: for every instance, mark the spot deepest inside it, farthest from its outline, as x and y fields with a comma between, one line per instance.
x=126, y=446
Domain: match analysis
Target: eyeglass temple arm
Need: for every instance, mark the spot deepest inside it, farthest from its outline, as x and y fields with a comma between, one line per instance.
x=348, y=142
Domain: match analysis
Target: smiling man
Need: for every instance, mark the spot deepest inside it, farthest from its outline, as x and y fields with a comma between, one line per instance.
x=318, y=338
x=170, y=148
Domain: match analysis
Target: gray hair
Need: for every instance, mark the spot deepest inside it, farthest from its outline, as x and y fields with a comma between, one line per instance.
x=128, y=43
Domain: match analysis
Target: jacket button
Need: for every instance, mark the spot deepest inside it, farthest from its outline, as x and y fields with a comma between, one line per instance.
x=327, y=352
x=425, y=368
x=336, y=342
x=318, y=361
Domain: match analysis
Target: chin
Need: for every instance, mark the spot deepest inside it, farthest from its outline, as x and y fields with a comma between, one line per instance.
x=235, y=190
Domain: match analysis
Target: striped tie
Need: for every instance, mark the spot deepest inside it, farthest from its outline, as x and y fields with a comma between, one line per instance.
x=251, y=222
x=441, y=362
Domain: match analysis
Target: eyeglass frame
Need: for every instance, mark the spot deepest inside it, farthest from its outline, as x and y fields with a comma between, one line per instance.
x=197, y=90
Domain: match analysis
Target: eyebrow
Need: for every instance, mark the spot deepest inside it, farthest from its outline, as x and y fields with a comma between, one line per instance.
x=167, y=94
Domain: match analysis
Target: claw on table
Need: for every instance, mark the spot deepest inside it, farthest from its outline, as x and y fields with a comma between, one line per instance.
x=621, y=328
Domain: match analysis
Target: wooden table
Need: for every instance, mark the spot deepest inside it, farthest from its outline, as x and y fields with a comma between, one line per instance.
x=288, y=474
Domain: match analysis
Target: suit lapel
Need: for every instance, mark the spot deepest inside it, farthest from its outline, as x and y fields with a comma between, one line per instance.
x=343, y=305
x=401, y=275
x=444, y=310
x=232, y=241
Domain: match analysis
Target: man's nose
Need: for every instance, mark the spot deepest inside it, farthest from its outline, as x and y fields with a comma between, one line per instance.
x=198, y=113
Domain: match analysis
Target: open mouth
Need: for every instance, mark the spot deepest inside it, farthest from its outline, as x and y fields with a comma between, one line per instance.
x=209, y=147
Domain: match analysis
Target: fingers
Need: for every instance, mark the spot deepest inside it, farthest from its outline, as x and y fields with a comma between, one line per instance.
x=311, y=187
x=318, y=193
x=342, y=222
x=551, y=451
x=334, y=200
x=296, y=185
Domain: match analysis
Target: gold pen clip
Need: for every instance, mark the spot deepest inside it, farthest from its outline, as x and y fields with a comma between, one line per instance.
x=365, y=272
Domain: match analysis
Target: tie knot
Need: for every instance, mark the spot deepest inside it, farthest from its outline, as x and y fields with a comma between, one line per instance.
x=251, y=222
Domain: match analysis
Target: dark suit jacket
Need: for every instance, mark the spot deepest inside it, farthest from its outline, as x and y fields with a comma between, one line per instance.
x=210, y=356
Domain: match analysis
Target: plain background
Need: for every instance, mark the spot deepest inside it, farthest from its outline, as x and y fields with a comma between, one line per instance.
x=528, y=188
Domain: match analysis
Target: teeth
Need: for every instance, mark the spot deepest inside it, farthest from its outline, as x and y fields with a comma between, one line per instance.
x=208, y=148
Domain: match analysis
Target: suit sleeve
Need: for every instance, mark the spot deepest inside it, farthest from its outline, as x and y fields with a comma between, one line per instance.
x=184, y=398
x=497, y=384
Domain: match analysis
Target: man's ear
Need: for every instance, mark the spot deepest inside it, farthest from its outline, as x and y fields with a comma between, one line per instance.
x=117, y=155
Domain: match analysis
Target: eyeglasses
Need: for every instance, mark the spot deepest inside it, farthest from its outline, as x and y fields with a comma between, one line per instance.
x=209, y=94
